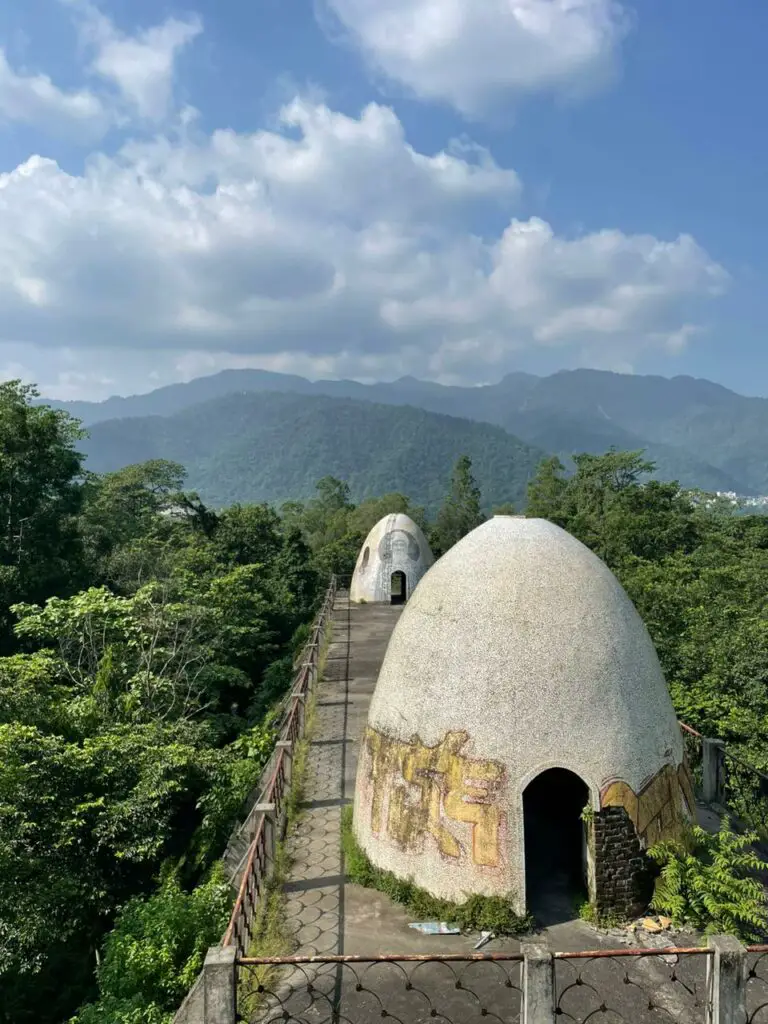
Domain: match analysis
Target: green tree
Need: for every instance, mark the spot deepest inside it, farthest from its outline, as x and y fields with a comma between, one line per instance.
x=606, y=504
x=92, y=822
x=156, y=951
x=460, y=512
x=546, y=492
x=136, y=521
x=506, y=509
x=40, y=497
x=247, y=534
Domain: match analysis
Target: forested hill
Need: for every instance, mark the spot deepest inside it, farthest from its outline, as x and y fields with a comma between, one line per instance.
x=274, y=447
x=695, y=431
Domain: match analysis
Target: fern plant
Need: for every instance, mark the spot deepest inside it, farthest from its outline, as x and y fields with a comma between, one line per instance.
x=708, y=881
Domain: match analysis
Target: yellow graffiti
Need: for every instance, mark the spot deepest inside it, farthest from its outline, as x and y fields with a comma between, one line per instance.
x=424, y=788
x=657, y=810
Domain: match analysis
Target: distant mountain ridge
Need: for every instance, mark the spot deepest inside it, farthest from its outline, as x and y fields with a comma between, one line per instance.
x=259, y=446
x=695, y=430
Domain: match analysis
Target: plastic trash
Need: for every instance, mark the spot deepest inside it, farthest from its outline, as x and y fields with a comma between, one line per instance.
x=435, y=928
x=484, y=937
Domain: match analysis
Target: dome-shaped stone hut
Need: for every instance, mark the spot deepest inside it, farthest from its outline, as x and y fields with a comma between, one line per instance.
x=521, y=738
x=391, y=562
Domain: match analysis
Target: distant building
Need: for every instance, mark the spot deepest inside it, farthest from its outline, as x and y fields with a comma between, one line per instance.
x=392, y=560
x=521, y=737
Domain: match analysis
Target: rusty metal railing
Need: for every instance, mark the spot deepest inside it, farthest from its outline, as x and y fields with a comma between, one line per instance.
x=693, y=746
x=633, y=985
x=733, y=783
x=265, y=823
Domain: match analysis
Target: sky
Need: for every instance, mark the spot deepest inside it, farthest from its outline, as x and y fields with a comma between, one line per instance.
x=449, y=189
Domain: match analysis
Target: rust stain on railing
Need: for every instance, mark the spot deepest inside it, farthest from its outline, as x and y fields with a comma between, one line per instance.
x=256, y=860
x=689, y=730
x=579, y=954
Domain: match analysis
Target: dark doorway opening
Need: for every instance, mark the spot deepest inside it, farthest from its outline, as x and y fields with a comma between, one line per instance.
x=555, y=845
x=397, y=588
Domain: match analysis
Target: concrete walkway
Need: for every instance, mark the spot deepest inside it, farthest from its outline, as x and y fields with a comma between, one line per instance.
x=330, y=916
x=316, y=894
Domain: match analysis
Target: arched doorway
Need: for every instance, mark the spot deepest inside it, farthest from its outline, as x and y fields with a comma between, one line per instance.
x=397, y=588
x=555, y=845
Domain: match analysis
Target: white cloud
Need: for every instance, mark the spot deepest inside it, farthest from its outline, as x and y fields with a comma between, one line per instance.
x=34, y=99
x=479, y=54
x=141, y=65
x=332, y=245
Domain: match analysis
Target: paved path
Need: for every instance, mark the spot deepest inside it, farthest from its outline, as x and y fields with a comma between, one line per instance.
x=330, y=916
x=316, y=893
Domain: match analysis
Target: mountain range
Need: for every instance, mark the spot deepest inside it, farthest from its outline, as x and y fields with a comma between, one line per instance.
x=257, y=446
x=696, y=431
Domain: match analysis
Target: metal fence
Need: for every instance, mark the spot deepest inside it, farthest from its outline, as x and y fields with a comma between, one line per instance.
x=409, y=989
x=637, y=985
x=757, y=986
x=693, y=746
x=723, y=778
x=691, y=985
x=252, y=848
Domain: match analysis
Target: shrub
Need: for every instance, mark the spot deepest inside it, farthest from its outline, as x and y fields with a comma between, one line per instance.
x=156, y=950
x=708, y=881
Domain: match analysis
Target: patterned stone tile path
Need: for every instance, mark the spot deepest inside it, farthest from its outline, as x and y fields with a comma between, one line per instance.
x=315, y=891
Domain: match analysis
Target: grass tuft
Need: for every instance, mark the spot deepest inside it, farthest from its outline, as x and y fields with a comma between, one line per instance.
x=271, y=936
x=477, y=913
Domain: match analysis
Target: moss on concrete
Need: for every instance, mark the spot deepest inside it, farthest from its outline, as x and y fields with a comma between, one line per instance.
x=477, y=913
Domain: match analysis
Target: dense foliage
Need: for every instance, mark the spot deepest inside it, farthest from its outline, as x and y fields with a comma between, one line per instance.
x=461, y=511
x=274, y=447
x=711, y=882
x=144, y=639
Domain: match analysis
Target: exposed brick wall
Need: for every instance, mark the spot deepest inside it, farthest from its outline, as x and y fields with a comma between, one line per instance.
x=623, y=875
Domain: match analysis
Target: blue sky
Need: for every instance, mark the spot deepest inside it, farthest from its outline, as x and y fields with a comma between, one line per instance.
x=453, y=189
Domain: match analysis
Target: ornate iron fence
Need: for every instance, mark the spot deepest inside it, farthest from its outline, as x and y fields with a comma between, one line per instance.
x=454, y=989
x=633, y=985
x=725, y=778
x=757, y=985
x=265, y=822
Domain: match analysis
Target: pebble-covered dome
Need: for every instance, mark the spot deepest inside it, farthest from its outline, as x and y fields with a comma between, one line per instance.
x=394, y=545
x=519, y=652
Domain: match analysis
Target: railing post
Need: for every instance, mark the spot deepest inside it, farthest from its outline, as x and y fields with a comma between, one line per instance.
x=538, y=984
x=713, y=790
x=287, y=747
x=301, y=703
x=726, y=981
x=270, y=836
x=219, y=985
